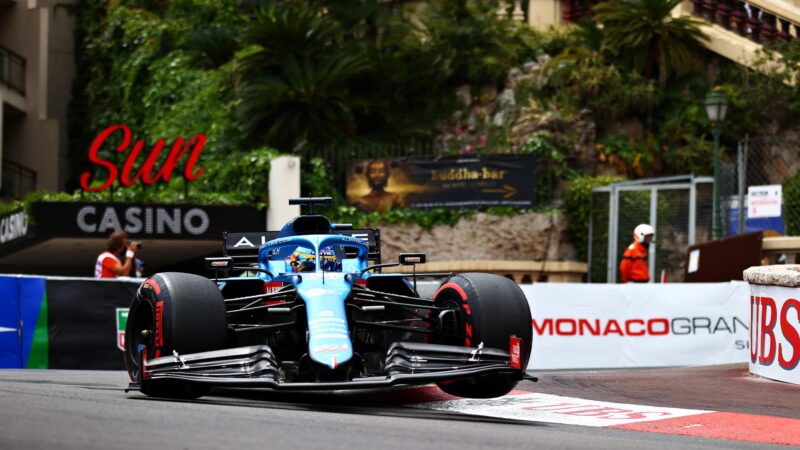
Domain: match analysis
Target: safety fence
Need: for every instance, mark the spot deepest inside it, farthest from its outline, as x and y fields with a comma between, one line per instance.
x=680, y=209
x=79, y=323
x=762, y=161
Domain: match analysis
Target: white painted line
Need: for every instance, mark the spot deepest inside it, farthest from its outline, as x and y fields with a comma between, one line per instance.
x=556, y=409
x=7, y=330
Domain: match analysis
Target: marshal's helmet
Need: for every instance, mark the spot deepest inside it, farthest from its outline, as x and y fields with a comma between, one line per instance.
x=642, y=231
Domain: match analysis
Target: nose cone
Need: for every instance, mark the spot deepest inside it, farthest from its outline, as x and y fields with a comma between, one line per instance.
x=329, y=336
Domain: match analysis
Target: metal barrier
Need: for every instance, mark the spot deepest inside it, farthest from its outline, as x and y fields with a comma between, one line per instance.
x=678, y=207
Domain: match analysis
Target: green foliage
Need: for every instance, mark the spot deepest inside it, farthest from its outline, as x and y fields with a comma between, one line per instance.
x=791, y=201
x=551, y=162
x=135, y=67
x=335, y=74
x=240, y=181
x=293, y=78
x=578, y=207
x=645, y=36
x=584, y=74
x=480, y=47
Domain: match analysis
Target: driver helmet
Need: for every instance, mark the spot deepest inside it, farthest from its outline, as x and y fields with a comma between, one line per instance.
x=303, y=260
x=329, y=261
x=642, y=231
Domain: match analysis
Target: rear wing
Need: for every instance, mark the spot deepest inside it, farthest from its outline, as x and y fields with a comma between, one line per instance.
x=243, y=247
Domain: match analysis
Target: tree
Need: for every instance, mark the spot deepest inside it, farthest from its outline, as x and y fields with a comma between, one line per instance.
x=479, y=45
x=646, y=36
x=293, y=78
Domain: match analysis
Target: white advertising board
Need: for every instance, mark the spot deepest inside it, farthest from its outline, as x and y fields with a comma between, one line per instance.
x=775, y=332
x=595, y=326
x=764, y=201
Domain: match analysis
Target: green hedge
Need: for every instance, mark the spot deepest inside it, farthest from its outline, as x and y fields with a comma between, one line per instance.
x=578, y=208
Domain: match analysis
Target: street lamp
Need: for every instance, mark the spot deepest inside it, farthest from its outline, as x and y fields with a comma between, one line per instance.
x=716, y=108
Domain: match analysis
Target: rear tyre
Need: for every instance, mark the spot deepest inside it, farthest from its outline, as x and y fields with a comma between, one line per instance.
x=174, y=312
x=492, y=309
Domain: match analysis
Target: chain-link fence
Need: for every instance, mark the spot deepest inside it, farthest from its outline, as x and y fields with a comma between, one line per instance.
x=680, y=209
x=762, y=161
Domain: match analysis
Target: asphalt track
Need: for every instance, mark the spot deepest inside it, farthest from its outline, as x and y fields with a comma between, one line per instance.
x=78, y=409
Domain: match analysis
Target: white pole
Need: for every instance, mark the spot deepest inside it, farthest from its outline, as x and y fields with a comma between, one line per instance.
x=284, y=183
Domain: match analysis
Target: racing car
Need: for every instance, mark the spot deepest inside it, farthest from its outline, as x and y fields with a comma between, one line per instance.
x=308, y=308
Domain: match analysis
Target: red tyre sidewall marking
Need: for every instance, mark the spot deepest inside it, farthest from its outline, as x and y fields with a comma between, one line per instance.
x=464, y=306
x=159, y=324
x=153, y=284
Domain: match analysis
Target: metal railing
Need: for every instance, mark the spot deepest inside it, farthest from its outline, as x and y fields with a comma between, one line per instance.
x=678, y=207
x=757, y=20
x=18, y=180
x=12, y=70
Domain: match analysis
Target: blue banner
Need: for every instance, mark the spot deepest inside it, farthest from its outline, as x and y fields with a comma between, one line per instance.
x=10, y=348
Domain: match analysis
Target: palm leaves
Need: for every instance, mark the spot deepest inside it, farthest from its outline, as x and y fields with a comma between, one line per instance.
x=646, y=36
x=302, y=100
x=294, y=78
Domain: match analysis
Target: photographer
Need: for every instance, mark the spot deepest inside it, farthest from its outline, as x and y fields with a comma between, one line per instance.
x=108, y=264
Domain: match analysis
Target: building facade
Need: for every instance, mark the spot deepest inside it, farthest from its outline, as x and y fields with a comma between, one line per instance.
x=37, y=67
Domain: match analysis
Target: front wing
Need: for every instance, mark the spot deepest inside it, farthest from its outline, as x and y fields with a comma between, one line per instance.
x=407, y=364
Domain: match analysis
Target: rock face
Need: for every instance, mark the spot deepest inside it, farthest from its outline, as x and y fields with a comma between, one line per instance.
x=533, y=236
x=782, y=275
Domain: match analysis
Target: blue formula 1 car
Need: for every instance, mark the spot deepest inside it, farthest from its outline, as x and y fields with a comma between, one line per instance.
x=310, y=310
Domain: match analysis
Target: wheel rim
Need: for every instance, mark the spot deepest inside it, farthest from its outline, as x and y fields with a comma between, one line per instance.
x=143, y=319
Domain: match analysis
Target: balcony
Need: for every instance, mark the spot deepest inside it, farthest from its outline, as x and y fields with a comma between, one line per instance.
x=18, y=180
x=737, y=29
x=12, y=70
x=763, y=22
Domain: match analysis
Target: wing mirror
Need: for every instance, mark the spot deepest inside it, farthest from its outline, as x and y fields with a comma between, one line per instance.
x=410, y=259
x=220, y=263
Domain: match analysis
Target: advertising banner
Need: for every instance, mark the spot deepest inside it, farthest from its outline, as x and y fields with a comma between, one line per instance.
x=595, y=326
x=10, y=349
x=475, y=181
x=775, y=332
x=85, y=317
x=23, y=323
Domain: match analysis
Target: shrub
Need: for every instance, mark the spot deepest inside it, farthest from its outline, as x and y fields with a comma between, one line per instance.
x=791, y=204
x=578, y=207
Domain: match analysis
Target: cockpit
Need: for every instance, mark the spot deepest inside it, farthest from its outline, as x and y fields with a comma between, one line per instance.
x=303, y=256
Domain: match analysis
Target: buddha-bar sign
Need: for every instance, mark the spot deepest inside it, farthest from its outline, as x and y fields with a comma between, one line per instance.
x=147, y=172
x=474, y=181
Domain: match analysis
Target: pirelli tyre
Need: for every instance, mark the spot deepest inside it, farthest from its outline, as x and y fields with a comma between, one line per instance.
x=177, y=312
x=491, y=310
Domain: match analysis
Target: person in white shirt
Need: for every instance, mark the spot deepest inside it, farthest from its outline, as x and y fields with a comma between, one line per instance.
x=108, y=264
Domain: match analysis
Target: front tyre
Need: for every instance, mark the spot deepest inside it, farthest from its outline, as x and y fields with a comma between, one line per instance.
x=492, y=309
x=174, y=312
